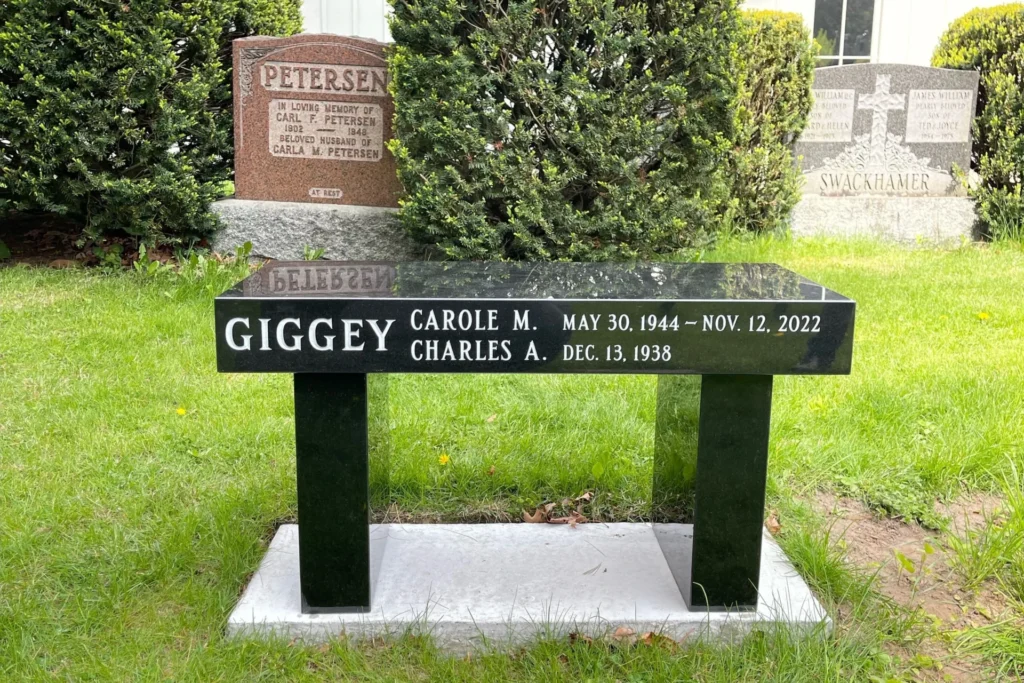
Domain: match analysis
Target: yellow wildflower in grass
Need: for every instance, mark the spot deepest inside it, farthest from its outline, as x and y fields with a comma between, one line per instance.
x=984, y=315
x=181, y=411
x=443, y=459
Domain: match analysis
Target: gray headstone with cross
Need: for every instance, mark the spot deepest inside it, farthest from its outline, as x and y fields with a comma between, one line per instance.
x=888, y=129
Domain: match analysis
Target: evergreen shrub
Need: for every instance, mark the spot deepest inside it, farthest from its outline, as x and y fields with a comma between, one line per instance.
x=992, y=42
x=776, y=69
x=563, y=129
x=119, y=113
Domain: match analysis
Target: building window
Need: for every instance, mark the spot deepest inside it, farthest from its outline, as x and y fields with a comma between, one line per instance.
x=843, y=30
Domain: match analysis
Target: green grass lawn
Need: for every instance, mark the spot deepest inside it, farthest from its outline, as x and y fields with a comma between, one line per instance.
x=138, y=488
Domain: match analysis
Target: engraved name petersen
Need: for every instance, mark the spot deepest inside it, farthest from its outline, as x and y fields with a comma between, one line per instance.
x=320, y=78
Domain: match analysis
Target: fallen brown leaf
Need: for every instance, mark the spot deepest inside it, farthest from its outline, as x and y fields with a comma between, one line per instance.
x=563, y=659
x=540, y=516
x=492, y=418
x=651, y=638
x=624, y=634
x=585, y=498
x=536, y=518
x=572, y=519
x=773, y=525
x=490, y=472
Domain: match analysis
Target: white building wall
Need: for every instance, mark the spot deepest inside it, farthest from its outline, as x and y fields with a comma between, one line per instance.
x=359, y=18
x=908, y=31
x=911, y=29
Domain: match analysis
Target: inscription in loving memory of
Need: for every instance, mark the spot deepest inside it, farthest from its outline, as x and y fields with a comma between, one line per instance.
x=312, y=129
x=326, y=129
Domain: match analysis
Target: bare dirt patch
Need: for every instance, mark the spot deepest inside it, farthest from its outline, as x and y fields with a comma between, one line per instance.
x=911, y=567
x=971, y=513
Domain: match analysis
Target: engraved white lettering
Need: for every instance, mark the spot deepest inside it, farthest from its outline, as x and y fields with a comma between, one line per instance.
x=229, y=334
x=352, y=328
x=282, y=343
x=328, y=344
x=381, y=334
x=265, y=334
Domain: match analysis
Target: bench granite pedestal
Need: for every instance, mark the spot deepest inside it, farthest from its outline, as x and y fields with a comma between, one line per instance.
x=715, y=334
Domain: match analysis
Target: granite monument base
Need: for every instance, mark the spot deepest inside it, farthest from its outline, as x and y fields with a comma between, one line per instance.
x=716, y=334
x=896, y=219
x=282, y=230
x=493, y=585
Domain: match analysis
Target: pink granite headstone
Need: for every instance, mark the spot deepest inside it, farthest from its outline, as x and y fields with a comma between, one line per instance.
x=312, y=118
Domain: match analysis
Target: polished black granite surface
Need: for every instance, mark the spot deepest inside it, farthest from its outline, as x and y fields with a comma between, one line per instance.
x=656, y=318
x=495, y=280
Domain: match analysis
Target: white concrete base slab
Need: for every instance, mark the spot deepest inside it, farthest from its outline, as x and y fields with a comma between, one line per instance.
x=895, y=219
x=472, y=585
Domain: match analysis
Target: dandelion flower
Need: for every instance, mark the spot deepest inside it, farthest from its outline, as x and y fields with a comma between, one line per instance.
x=984, y=315
x=443, y=459
x=181, y=411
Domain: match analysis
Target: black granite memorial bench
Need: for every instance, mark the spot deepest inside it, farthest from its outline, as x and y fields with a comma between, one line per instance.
x=715, y=334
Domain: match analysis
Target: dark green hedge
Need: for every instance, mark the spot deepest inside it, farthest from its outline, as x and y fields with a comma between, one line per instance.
x=776, y=72
x=541, y=129
x=992, y=41
x=119, y=113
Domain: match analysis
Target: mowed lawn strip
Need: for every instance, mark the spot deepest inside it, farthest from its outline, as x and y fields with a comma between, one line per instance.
x=138, y=487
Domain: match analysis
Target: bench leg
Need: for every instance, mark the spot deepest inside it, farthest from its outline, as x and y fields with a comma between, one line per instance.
x=333, y=417
x=732, y=465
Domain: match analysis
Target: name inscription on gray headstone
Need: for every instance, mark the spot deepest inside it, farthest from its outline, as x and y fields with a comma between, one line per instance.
x=888, y=129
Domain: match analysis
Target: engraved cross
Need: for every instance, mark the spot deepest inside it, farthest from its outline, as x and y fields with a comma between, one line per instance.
x=881, y=102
